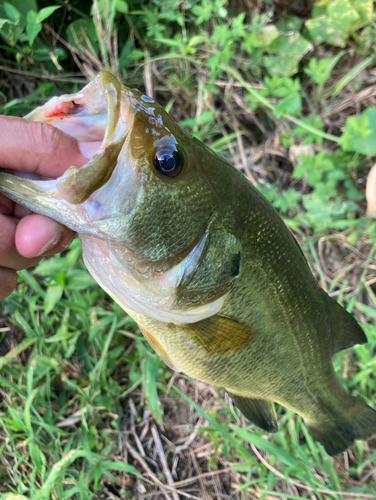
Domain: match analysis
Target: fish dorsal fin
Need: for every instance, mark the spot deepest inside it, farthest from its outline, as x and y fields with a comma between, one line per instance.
x=220, y=334
x=259, y=411
x=347, y=331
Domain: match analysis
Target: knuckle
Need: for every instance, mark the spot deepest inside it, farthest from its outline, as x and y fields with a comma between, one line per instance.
x=50, y=135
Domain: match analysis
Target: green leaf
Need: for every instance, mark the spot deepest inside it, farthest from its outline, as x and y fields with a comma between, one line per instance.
x=136, y=55
x=120, y=466
x=308, y=137
x=359, y=134
x=125, y=53
x=314, y=167
x=205, y=117
x=289, y=49
x=150, y=369
x=46, y=12
x=203, y=11
x=263, y=444
x=23, y=7
x=51, y=266
x=342, y=14
x=45, y=53
x=12, y=33
x=33, y=28
x=322, y=214
x=332, y=22
x=314, y=177
x=282, y=86
x=267, y=35
x=202, y=14
x=196, y=40
x=17, y=10
x=364, y=8
x=79, y=279
x=352, y=192
x=353, y=73
x=12, y=13
x=290, y=104
x=320, y=70
x=290, y=25
x=2, y=22
x=13, y=496
x=58, y=467
x=31, y=16
x=80, y=31
x=322, y=30
x=121, y=6
x=53, y=295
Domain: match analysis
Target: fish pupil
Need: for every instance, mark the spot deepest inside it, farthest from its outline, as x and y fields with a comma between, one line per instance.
x=167, y=162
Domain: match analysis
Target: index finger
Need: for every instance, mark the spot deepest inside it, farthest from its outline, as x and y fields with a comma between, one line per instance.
x=36, y=147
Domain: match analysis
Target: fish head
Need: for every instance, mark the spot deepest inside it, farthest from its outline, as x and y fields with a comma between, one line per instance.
x=144, y=206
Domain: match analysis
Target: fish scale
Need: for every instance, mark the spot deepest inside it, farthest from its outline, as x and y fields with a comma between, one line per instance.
x=197, y=256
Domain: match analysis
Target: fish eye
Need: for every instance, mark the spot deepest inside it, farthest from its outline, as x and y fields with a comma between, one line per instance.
x=167, y=161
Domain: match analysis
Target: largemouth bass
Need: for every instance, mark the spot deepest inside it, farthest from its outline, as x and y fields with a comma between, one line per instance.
x=194, y=253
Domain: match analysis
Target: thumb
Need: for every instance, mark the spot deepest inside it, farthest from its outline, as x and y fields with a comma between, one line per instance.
x=37, y=147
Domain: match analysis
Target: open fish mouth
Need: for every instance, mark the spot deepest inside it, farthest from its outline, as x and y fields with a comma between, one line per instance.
x=97, y=117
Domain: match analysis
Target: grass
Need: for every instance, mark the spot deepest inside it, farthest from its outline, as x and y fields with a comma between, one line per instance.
x=86, y=405
x=87, y=409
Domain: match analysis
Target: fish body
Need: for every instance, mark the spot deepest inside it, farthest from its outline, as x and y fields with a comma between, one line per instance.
x=195, y=254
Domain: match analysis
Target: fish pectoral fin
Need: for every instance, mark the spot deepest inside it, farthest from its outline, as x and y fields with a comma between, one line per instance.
x=347, y=331
x=220, y=334
x=158, y=348
x=259, y=411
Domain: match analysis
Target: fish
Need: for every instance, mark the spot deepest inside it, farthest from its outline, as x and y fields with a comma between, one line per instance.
x=198, y=257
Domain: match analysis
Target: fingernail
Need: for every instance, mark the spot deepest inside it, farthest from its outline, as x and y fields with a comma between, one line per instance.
x=52, y=243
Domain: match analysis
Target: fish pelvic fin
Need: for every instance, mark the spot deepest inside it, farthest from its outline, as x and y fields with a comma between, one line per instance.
x=158, y=348
x=347, y=331
x=259, y=411
x=360, y=424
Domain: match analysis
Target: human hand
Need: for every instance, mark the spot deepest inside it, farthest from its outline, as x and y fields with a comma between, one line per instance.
x=25, y=237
